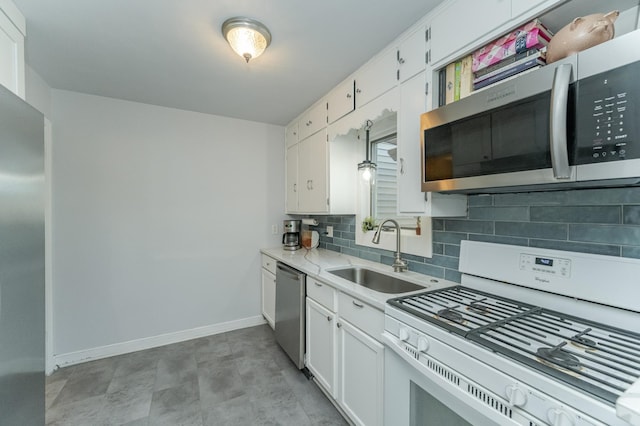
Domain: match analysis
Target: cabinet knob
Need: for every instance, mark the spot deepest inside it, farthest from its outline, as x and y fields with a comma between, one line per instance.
x=358, y=91
x=348, y=95
x=401, y=61
x=328, y=317
x=339, y=325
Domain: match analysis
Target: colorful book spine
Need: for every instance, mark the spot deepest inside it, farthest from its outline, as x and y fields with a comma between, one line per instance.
x=456, y=80
x=532, y=63
x=466, y=77
x=451, y=75
x=520, y=61
x=510, y=60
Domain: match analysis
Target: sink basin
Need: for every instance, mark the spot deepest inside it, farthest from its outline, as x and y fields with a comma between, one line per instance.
x=375, y=280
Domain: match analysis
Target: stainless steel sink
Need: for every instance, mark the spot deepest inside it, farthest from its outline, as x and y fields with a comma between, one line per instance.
x=375, y=280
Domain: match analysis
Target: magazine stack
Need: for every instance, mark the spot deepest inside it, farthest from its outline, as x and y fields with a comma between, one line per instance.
x=521, y=50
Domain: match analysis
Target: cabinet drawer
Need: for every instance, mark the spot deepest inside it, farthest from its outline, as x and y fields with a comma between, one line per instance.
x=321, y=293
x=269, y=264
x=365, y=317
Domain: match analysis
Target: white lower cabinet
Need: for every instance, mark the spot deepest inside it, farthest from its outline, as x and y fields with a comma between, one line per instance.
x=343, y=353
x=361, y=375
x=269, y=289
x=321, y=353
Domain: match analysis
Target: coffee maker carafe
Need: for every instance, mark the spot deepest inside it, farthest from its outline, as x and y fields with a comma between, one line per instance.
x=291, y=236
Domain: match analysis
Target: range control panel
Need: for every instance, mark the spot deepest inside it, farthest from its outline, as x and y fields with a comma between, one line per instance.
x=552, y=266
x=607, y=128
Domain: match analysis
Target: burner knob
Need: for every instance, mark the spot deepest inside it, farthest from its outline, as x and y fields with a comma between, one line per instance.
x=559, y=417
x=516, y=396
x=404, y=334
x=423, y=344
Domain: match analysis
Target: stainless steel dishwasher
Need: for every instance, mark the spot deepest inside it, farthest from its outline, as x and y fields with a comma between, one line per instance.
x=290, y=312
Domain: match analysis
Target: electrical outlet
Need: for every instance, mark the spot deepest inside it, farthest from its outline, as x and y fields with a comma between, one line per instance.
x=274, y=229
x=330, y=231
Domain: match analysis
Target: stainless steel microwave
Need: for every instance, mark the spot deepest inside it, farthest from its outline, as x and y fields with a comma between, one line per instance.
x=572, y=123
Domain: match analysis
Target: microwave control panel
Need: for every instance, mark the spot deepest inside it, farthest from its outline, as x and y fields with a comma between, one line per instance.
x=606, y=116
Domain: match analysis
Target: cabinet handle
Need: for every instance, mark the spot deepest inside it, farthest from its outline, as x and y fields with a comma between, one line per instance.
x=348, y=95
x=310, y=123
x=328, y=318
x=295, y=187
x=310, y=184
x=357, y=305
x=358, y=91
x=402, y=166
x=339, y=325
x=401, y=61
x=318, y=284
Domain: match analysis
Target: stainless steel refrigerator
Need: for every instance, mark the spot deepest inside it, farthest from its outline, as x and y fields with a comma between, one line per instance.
x=22, y=312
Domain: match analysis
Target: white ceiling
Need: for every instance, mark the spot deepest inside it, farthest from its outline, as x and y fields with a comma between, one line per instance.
x=171, y=52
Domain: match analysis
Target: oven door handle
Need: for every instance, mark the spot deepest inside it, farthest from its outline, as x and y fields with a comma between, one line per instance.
x=558, y=122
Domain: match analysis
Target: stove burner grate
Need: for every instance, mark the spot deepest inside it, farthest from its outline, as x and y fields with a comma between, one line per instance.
x=451, y=314
x=477, y=307
x=559, y=356
x=580, y=340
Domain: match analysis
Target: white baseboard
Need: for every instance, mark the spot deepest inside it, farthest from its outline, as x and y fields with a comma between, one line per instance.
x=71, y=358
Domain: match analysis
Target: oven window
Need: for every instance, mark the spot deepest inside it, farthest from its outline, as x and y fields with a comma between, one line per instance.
x=427, y=410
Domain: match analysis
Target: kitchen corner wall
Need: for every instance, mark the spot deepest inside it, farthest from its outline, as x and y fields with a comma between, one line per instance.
x=158, y=218
x=599, y=221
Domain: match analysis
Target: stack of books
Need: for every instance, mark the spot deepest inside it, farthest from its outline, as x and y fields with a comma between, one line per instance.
x=521, y=50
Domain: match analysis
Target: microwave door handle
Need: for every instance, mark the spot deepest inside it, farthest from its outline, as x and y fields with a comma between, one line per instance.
x=558, y=122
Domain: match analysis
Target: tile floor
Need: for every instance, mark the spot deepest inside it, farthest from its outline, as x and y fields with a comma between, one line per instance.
x=237, y=378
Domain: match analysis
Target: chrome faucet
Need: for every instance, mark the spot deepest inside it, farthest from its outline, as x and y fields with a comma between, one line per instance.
x=399, y=265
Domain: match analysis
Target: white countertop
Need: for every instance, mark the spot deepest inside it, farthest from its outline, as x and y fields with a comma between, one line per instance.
x=316, y=262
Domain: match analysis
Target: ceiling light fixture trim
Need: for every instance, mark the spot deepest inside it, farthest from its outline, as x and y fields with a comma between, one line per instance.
x=247, y=37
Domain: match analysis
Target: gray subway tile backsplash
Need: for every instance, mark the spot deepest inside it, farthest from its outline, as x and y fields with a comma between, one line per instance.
x=598, y=221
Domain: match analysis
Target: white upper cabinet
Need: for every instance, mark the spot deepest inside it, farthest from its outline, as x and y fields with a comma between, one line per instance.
x=313, y=120
x=412, y=55
x=291, y=134
x=312, y=174
x=12, y=33
x=376, y=77
x=292, y=179
x=518, y=7
x=413, y=102
x=341, y=101
x=463, y=22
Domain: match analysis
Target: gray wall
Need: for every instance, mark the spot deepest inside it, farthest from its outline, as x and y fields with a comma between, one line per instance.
x=600, y=221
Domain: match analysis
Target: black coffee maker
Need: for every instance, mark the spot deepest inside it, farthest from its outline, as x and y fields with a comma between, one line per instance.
x=291, y=236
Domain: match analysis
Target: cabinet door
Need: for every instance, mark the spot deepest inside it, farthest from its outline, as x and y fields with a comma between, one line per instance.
x=376, y=77
x=269, y=297
x=413, y=102
x=314, y=120
x=411, y=55
x=321, y=353
x=463, y=23
x=361, y=378
x=312, y=174
x=518, y=7
x=291, y=134
x=292, y=179
x=341, y=101
x=12, y=72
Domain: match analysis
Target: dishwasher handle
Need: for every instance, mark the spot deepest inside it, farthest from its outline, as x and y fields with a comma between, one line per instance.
x=287, y=271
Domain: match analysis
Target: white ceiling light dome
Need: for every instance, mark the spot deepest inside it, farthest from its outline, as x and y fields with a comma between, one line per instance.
x=247, y=37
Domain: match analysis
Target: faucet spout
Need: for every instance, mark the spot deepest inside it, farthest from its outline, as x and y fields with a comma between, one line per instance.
x=399, y=264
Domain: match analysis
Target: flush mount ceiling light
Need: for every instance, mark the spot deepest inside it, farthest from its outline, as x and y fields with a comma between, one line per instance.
x=247, y=37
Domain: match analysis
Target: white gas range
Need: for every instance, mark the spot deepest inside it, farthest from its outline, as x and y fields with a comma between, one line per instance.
x=531, y=337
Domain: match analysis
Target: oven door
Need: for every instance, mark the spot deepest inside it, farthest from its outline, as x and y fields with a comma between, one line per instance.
x=417, y=396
